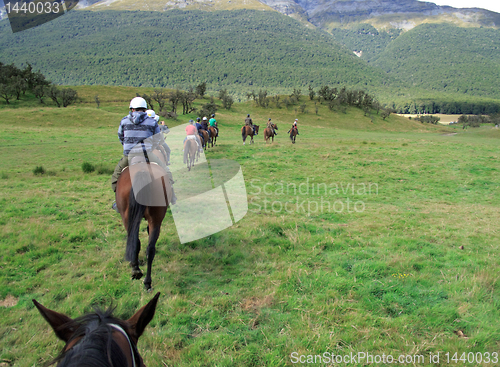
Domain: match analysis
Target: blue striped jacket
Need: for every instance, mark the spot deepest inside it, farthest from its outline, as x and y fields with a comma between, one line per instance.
x=135, y=128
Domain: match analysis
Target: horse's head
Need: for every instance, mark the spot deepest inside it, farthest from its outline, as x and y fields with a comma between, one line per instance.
x=275, y=126
x=99, y=339
x=256, y=129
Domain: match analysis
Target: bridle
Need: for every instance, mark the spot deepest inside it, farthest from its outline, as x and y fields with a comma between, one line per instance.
x=118, y=328
x=93, y=340
x=121, y=331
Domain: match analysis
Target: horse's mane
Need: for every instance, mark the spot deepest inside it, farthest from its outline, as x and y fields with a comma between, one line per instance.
x=96, y=347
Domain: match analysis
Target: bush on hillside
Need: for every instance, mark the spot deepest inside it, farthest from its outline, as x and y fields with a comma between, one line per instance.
x=38, y=170
x=87, y=167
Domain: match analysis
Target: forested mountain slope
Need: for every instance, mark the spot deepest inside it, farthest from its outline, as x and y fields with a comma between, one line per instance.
x=447, y=58
x=232, y=49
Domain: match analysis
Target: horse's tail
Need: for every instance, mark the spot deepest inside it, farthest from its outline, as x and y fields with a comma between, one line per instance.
x=135, y=215
x=243, y=132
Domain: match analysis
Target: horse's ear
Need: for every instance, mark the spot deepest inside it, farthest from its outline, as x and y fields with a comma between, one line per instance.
x=141, y=318
x=64, y=327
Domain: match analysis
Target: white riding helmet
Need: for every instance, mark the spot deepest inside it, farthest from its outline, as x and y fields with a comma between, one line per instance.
x=205, y=118
x=138, y=102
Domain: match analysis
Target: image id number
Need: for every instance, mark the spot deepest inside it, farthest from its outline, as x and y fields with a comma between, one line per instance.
x=472, y=357
x=32, y=7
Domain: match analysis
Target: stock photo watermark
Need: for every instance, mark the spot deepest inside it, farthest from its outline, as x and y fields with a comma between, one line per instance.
x=309, y=197
x=367, y=358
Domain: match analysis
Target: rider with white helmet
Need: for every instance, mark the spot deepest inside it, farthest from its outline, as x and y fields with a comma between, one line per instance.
x=134, y=131
x=164, y=129
x=204, y=123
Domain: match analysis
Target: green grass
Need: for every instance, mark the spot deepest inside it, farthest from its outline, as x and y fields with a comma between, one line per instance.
x=386, y=274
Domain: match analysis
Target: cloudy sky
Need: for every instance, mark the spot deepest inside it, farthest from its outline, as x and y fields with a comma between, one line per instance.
x=493, y=5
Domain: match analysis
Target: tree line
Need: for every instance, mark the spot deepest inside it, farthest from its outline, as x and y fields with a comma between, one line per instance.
x=336, y=99
x=169, y=101
x=16, y=83
x=446, y=108
x=464, y=120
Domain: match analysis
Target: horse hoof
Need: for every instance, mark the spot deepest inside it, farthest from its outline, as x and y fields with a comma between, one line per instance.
x=137, y=274
x=148, y=287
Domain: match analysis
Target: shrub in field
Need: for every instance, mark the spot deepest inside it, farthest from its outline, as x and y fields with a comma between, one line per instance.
x=103, y=170
x=39, y=170
x=428, y=119
x=87, y=167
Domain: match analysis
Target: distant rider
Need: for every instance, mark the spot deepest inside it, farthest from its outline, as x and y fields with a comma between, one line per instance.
x=249, y=122
x=204, y=123
x=198, y=125
x=164, y=129
x=213, y=123
x=198, y=128
x=192, y=133
x=294, y=125
x=270, y=126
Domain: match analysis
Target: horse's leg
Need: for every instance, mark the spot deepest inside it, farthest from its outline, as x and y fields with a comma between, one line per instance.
x=155, y=217
x=135, y=215
x=154, y=233
x=134, y=263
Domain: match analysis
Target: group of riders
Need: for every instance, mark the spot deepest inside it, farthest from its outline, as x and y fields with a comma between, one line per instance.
x=139, y=132
x=199, y=130
x=270, y=125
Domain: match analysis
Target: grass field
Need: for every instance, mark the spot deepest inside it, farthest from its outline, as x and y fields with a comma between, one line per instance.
x=366, y=236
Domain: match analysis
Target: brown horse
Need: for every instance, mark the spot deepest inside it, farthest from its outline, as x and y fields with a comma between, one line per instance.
x=213, y=135
x=191, y=152
x=99, y=338
x=248, y=131
x=268, y=133
x=204, y=138
x=147, y=196
x=293, y=134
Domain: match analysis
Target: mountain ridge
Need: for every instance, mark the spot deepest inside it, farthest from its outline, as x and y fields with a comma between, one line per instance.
x=328, y=13
x=325, y=14
x=245, y=49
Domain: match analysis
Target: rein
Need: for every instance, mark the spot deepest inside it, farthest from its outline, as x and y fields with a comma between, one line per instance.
x=116, y=327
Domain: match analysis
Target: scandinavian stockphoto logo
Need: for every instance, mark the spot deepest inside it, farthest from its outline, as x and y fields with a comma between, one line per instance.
x=210, y=197
x=28, y=14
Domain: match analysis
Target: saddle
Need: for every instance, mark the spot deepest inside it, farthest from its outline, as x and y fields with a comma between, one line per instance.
x=192, y=137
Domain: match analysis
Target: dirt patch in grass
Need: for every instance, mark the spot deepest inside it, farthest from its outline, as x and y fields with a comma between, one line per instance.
x=256, y=303
x=9, y=301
